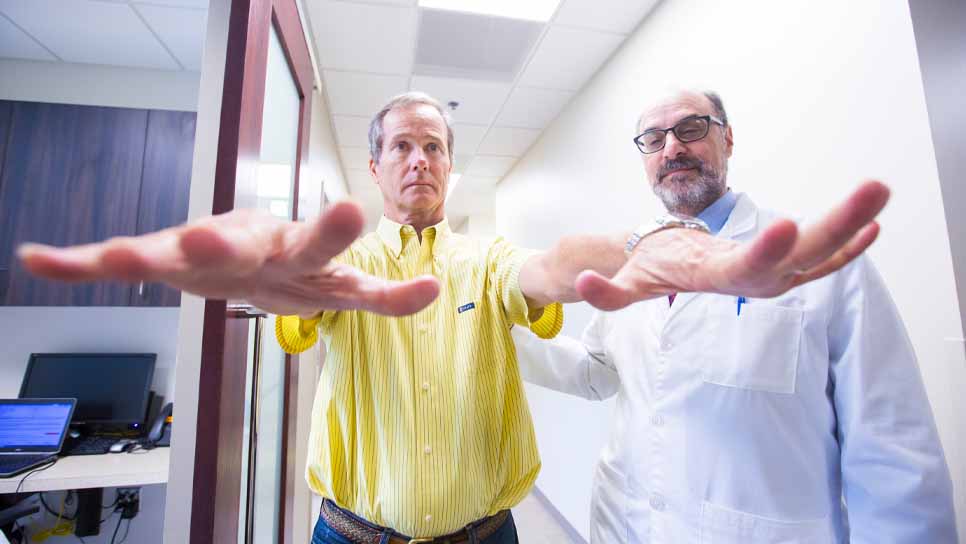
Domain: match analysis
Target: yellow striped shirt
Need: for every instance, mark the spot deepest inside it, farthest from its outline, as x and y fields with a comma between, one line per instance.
x=420, y=423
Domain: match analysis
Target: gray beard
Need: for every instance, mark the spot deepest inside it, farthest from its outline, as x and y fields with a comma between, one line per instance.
x=684, y=197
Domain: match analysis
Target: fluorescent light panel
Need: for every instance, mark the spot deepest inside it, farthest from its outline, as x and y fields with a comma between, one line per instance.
x=530, y=10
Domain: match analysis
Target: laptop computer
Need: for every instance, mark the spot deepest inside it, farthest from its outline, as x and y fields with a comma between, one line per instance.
x=32, y=432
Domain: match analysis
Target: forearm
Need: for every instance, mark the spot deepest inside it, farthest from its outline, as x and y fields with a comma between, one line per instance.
x=549, y=276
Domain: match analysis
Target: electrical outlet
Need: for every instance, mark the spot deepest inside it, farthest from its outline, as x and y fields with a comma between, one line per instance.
x=129, y=502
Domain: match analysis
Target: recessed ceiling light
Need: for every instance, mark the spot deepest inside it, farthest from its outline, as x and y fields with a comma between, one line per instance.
x=530, y=10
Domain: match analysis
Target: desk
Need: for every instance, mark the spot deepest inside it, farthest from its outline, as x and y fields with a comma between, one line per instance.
x=90, y=471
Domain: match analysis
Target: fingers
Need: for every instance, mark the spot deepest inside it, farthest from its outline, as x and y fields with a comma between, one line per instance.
x=855, y=247
x=603, y=293
x=76, y=264
x=764, y=253
x=397, y=298
x=821, y=240
x=328, y=235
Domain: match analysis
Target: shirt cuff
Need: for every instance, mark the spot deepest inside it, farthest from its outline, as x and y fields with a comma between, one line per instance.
x=549, y=322
x=295, y=334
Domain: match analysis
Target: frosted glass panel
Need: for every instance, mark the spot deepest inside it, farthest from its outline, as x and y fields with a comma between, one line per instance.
x=275, y=182
x=275, y=176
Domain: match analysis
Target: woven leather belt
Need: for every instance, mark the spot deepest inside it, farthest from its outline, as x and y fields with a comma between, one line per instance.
x=360, y=532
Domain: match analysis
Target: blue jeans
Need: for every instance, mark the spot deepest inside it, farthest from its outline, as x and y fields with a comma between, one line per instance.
x=325, y=534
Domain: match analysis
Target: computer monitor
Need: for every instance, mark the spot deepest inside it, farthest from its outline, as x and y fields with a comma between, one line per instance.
x=111, y=388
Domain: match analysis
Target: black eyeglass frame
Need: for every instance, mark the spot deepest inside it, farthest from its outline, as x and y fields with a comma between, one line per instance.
x=707, y=118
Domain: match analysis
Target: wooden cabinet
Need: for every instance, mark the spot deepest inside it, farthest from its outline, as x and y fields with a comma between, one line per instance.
x=78, y=174
x=165, y=185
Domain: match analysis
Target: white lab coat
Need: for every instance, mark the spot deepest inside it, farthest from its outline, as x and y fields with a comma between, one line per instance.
x=756, y=428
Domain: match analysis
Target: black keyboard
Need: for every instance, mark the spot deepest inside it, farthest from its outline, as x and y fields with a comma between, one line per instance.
x=88, y=445
x=15, y=464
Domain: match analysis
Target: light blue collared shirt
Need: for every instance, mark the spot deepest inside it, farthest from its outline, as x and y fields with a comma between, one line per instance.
x=716, y=215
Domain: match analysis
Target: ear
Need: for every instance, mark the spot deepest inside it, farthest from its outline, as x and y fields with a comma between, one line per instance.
x=729, y=141
x=374, y=171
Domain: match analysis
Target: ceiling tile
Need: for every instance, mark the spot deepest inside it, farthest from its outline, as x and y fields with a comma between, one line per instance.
x=479, y=101
x=360, y=184
x=364, y=37
x=467, y=138
x=476, y=196
x=355, y=93
x=532, y=108
x=478, y=183
x=90, y=32
x=567, y=57
x=619, y=16
x=181, y=29
x=489, y=166
x=17, y=45
x=355, y=158
x=460, y=163
x=351, y=131
x=512, y=142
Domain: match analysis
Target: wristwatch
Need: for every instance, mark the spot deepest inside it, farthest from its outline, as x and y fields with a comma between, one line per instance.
x=663, y=222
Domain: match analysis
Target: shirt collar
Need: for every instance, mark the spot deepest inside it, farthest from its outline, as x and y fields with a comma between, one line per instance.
x=716, y=215
x=394, y=235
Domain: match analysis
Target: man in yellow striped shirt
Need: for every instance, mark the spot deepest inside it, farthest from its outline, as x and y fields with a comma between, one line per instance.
x=420, y=425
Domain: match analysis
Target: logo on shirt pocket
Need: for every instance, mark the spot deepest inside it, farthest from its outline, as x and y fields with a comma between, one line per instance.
x=466, y=307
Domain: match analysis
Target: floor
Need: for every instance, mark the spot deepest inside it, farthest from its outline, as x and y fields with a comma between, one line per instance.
x=537, y=525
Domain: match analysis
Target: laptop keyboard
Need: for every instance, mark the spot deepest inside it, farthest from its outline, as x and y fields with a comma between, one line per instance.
x=88, y=445
x=12, y=464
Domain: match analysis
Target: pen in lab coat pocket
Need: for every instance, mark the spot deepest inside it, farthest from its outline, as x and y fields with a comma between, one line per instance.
x=741, y=300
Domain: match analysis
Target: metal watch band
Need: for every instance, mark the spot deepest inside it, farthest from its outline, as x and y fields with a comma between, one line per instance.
x=660, y=223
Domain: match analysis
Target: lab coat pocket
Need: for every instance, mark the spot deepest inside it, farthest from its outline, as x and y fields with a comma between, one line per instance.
x=756, y=350
x=720, y=525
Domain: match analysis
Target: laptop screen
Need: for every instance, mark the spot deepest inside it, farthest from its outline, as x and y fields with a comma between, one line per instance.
x=34, y=425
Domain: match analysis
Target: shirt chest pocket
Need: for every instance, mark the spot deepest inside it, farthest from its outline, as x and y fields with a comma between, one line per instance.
x=756, y=350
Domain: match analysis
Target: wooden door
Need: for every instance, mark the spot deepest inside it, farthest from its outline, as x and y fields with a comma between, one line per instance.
x=218, y=471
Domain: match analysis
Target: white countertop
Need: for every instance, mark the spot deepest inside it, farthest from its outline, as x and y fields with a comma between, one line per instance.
x=88, y=471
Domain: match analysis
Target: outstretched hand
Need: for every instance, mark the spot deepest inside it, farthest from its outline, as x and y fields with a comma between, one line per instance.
x=279, y=266
x=778, y=259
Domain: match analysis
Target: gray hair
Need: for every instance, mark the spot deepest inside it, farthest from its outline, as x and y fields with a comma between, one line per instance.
x=402, y=101
x=717, y=107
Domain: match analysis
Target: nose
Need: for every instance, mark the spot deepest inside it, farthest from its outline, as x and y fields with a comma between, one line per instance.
x=418, y=160
x=673, y=147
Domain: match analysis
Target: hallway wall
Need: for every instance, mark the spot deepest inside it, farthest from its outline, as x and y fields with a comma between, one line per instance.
x=821, y=95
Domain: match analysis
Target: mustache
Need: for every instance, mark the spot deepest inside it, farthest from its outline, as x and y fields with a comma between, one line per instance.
x=677, y=164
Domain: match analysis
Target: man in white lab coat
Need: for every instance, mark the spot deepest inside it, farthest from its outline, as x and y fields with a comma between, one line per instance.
x=801, y=418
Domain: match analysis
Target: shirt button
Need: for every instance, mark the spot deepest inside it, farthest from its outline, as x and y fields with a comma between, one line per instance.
x=428, y=518
x=657, y=503
x=425, y=386
x=423, y=329
x=667, y=346
x=657, y=420
x=427, y=450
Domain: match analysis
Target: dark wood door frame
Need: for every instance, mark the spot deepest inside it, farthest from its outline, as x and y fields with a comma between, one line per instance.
x=221, y=396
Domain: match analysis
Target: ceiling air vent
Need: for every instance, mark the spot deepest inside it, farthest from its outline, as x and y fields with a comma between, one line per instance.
x=470, y=46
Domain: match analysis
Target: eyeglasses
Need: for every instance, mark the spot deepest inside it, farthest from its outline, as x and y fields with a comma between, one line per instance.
x=687, y=130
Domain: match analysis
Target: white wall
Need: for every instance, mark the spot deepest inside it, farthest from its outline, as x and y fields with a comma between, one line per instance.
x=98, y=85
x=29, y=330
x=821, y=95
x=177, y=513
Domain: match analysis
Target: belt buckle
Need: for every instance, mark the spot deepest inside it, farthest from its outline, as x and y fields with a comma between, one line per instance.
x=419, y=540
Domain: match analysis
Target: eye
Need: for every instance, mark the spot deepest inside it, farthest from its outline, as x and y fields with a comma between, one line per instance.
x=433, y=147
x=401, y=145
